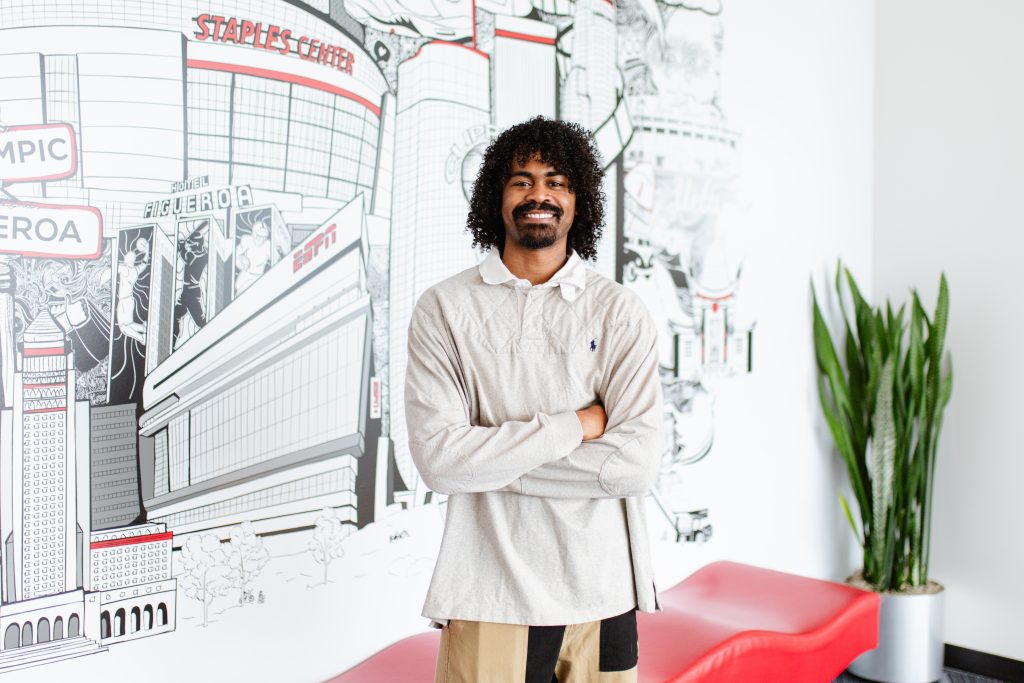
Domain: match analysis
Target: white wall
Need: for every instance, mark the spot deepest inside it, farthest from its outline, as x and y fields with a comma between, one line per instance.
x=798, y=81
x=949, y=168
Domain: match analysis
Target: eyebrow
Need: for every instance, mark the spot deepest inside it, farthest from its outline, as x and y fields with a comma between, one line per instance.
x=526, y=174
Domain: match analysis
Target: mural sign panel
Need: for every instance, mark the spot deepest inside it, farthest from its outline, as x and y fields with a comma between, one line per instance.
x=48, y=230
x=37, y=152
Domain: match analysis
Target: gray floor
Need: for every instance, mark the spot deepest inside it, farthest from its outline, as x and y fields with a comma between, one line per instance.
x=948, y=676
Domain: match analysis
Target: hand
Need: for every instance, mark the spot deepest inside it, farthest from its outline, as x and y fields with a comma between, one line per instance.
x=593, y=419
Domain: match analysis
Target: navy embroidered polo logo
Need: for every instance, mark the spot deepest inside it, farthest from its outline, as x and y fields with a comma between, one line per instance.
x=593, y=344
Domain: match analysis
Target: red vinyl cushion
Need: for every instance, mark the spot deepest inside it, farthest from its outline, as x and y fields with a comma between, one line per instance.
x=726, y=622
x=410, y=660
x=733, y=622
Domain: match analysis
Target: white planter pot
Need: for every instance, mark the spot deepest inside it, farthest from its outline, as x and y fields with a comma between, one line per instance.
x=910, y=640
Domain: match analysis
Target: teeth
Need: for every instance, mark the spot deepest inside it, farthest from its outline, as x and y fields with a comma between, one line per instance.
x=539, y=215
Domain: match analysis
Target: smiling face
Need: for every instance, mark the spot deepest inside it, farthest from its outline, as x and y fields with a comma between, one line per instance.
x=537, y=205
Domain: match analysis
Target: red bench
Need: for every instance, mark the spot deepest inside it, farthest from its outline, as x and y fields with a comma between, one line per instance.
x=727, y=622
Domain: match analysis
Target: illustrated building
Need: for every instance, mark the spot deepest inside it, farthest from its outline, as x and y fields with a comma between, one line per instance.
x=523, y=60
x=715, y=344
x=262, y=414
x=133, y=594
x=685, y=152
x=159, y=101
x=46, y=518
x=443, y=112
x=589, y=90
x=114, y=465
x=57, y=576
x=591, y=94
x=44, y=503
x=160, y=324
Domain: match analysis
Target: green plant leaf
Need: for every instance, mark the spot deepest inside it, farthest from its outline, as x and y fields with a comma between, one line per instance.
x=858, y=388
x=915, y=347
x=941, y=321
x=849, y=518
x=843, y=445
x=947, y=382
x=883, y=455
x=828, y=360
x=839, y=294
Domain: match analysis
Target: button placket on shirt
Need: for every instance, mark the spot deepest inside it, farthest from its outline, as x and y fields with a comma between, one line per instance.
x=530, y=324
x=521, y=301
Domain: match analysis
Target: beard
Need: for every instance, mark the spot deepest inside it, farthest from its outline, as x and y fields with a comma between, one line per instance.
x=538, y=236
x=531, y=235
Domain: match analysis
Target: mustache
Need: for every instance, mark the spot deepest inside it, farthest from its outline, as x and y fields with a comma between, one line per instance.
x=523, y=209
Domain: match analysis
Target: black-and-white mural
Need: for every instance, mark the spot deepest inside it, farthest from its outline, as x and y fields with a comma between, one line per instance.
x=215, y=219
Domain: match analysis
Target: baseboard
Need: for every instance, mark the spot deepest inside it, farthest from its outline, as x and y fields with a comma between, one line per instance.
x=984, y=664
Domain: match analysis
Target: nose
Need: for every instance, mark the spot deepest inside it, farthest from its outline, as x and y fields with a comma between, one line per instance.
x=538, y=193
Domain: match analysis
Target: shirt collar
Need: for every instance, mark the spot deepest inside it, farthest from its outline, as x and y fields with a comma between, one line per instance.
x=571, y=278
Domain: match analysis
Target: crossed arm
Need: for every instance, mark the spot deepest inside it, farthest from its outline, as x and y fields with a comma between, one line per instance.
x=545, y=456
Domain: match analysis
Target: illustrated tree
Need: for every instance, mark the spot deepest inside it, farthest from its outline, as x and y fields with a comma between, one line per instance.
x=247, y=555
x=208, y=573
x=329, y=534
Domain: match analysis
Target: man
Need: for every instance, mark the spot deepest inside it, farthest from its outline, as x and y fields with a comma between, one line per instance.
x=252, y=256
x=194, y=253
x=133, y=264
x=533, y=401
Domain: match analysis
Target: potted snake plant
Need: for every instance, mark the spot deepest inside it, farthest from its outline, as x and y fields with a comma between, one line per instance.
x=883, y=403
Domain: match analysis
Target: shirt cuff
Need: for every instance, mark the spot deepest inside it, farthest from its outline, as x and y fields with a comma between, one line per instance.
x=569, y=432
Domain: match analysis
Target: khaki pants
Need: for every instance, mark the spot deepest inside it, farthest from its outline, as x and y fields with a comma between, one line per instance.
x=604, y=651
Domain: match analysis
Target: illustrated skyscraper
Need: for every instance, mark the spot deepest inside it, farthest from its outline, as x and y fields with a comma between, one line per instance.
x=443, y=107
x=46, y=508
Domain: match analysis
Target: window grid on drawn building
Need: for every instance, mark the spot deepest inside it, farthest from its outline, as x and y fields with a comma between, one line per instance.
x=259, y=132
x=368, y=150
x=166, y=308
x=61, y=80
x=120, y=448
x=308, y=397
x=118, y=566
x=99, y=414
x=422, y=197
x=309, y=141
x=110, y=425
x=110, y=437
x=110, y=461
x=279, y=136
x=209, y=124
x=116, y=482
x=308, y=487
x=160, y=480
x=209, y=112
x=115, y=506
x=349, y=151
x=177, y=452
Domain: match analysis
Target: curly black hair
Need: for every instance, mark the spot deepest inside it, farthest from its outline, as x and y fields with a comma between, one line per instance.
x=570, y=149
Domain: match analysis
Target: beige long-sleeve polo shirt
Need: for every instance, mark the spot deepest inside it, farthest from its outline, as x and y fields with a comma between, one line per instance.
x=542, y=528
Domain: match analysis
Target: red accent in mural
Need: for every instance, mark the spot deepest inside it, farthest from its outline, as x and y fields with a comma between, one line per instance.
x=132, y=540
x=48, y=351
x=286, y=77
x=501, y=33
x=221, y=29
x=322, y=239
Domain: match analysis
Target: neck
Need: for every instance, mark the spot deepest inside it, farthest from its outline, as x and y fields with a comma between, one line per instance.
x=535, y=265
